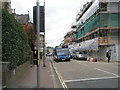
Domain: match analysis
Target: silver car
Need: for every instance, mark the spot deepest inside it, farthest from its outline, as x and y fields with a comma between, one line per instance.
x=81, y=56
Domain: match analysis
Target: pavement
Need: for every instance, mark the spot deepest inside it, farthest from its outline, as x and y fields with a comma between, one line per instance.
x=28, y=79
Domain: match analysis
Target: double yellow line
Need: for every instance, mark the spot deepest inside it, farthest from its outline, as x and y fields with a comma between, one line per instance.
x=61, y=79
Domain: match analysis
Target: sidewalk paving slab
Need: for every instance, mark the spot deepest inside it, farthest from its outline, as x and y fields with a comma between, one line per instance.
x=28, y=79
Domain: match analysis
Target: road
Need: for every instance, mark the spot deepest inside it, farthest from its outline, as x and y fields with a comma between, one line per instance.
x=84, y=74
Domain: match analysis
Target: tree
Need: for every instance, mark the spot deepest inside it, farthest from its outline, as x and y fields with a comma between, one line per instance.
x=31, y=35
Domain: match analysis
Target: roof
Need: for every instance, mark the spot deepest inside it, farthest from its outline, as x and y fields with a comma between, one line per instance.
x=22, y=18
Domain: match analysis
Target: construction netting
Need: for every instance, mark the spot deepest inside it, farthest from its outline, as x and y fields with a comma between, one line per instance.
x=102, y=20
x=86, y=45
x=74, y=35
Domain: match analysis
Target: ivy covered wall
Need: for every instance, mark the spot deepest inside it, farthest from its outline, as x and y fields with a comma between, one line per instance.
x=15, y=48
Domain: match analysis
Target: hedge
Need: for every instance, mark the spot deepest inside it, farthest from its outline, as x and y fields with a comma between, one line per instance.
x=15, y=48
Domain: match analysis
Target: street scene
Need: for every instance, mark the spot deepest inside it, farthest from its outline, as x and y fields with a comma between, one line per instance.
x=60, y=44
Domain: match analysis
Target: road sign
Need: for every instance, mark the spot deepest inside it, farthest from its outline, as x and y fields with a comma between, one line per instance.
x=42, y=18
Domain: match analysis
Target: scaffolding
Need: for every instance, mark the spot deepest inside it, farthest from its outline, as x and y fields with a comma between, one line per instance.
x=98, y=21
x=102, y=24
x=101, y=20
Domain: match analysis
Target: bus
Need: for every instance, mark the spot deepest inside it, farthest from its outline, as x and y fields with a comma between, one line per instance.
x=61, y=53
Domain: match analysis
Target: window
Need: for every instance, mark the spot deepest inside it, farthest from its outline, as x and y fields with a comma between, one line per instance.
x=103, y=6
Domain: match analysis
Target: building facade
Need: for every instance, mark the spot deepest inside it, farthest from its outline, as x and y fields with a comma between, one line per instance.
x=98, y=29
x=70, y=37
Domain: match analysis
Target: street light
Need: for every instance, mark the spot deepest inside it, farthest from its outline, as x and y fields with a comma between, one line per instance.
x=44, y=41
x=38, y=41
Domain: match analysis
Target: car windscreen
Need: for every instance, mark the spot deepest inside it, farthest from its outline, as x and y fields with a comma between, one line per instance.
x=62, y=51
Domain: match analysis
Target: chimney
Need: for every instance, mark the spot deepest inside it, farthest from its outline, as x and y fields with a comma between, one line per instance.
x=28, y=17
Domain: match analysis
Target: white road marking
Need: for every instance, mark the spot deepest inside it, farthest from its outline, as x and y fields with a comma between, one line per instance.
x=105, y=71
x=89, y=79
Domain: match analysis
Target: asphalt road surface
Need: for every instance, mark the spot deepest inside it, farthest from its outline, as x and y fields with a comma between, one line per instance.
x=84, y=74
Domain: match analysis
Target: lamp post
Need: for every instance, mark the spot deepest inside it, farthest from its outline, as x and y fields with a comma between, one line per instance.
x=38, y=42
x=44, y=41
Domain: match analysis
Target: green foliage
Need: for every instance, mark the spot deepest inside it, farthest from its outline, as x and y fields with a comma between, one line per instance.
x=15, y=48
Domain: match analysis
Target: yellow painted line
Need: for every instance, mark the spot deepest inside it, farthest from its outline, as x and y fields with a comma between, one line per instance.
x=51, y=75
x=61, y=79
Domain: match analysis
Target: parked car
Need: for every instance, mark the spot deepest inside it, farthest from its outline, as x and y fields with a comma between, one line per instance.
x=49, y=54
x=81, y=56
x=73, y=55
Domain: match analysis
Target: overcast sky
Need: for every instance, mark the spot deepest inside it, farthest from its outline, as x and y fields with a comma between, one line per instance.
x=59, y=15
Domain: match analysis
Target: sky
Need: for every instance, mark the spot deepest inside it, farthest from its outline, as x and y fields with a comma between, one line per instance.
x=59, y=15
